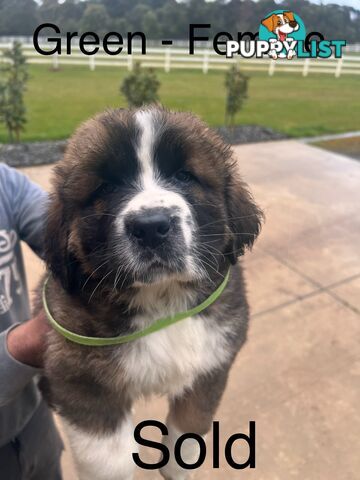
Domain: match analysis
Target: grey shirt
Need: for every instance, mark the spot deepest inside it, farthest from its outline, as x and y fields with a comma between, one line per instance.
x=22, y=205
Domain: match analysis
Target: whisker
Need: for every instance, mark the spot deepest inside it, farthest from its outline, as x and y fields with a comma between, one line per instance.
x=98, y=215
x=118, y=271
x=206, y=272
x=214, y=248
x=204, y=205
x=229, y=218
x=124, y=280
x=225, y=234
x=221, y=275
x=99, y=283
x=204, y=249
x=96, y=269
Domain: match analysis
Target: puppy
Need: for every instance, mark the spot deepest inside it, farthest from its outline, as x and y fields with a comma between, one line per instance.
x=147, y=216
x=281, y=25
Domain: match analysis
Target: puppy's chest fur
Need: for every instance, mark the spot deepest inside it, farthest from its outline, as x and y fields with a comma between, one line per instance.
x=169, y=360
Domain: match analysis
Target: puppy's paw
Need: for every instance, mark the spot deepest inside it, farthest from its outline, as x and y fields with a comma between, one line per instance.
x=103, y=456
x=273, y=54
x=190, y=452
x=291, y=54
x=175, y=475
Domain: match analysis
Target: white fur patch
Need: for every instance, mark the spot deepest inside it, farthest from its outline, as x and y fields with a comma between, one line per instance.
x=145, y=149
x=103, y=457
x=168, y=361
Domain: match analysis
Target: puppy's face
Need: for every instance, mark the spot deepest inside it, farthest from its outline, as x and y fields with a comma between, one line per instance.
x=281, y=24
x=146, y=196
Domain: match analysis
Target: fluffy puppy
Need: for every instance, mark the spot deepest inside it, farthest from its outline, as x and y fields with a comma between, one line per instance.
x=147, y=215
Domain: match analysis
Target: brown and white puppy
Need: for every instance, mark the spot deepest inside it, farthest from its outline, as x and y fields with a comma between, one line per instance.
x=281, y=24
x=147, y=215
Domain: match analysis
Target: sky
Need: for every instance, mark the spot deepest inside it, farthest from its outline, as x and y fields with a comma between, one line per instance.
x=350, y=3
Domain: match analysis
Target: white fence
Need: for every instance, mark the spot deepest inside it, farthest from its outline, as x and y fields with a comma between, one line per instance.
x=168, y=58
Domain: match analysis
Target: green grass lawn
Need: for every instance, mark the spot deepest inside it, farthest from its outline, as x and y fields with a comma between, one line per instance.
x=347, y=146
x=58, y=101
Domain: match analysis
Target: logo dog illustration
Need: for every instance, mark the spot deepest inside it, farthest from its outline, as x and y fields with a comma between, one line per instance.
x=281, y=25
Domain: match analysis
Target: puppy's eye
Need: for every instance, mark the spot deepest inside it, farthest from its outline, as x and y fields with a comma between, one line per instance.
x=184, y=176
x=279, y=23
x=108, y=188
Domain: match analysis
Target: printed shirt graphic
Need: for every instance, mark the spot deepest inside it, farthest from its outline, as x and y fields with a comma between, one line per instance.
x=22, y=206
x=10, y=279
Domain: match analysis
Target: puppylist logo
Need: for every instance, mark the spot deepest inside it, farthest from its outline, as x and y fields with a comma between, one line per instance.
x=282, y=30
x=282, y=34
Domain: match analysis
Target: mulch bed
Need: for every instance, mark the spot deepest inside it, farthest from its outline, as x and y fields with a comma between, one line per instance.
x=41, y=153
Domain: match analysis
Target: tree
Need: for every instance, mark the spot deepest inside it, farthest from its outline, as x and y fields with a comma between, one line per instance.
x=140, y=87
x=236, y=84
x=14, y=75
x=49, y=11
x=150, y=25
x=95, y=19
x=173, y=20
x=18, y=17
x=67, y=15
x=136, y=16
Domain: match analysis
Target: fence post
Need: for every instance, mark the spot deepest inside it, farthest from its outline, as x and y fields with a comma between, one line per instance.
x=338, y=67
x=92, y=62
x=306, y=67
x=167, y=60
x=206, y=61
x=55, y=61
x=130, y=62
x=272, y=67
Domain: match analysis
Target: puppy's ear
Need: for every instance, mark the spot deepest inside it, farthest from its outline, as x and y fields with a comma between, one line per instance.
x=270, y=22
x=289, y=16
x=244, y=217
x=60, y=261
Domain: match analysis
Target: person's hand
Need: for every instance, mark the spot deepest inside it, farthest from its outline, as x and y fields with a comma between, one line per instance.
x=27, y=342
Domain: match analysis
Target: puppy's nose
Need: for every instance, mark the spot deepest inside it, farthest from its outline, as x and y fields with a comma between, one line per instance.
x=293, y=23
x=150, y=230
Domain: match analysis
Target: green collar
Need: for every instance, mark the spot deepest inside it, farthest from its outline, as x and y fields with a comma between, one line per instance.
x=155, y=327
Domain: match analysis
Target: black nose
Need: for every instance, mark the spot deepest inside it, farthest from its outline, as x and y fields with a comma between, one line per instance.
x=293, y=23
x=150, y=230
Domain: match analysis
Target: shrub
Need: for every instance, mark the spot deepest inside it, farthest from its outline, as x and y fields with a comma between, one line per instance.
x=236, y=84
x=14, y=76
x=140, y=87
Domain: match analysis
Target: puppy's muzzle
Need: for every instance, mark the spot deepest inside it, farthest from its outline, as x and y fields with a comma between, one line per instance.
x=149, y=229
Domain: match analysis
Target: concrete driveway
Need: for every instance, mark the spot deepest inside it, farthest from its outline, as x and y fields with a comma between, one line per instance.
x=298, y=377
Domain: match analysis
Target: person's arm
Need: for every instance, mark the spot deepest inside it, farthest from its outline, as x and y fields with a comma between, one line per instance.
x=21, y=356
x=22, y=345
x=29, y=203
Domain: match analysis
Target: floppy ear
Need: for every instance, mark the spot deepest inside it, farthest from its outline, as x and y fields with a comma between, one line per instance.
x=269, y=22
x=244, y=218
x=289, y=15
x=60, y=261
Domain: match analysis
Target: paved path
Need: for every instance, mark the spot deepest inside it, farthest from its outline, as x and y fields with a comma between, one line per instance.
x=298, y=376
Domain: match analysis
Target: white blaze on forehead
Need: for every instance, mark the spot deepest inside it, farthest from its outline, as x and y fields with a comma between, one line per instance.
x=151, y=193
x=145, y=149
x=281, y=16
